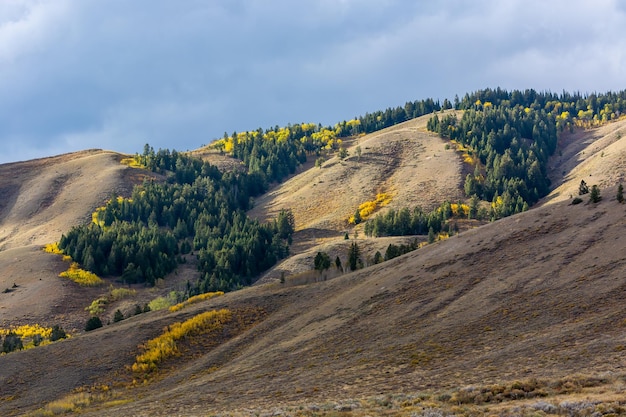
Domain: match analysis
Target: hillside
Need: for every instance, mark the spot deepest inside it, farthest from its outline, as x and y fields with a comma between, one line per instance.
x=42, y=199
x=405, y=161
x=537, y=295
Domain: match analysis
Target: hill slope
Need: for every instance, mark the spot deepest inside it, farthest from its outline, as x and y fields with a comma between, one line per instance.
x=41, y=200
x=540, y=294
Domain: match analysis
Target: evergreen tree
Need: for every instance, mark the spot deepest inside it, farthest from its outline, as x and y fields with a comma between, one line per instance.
x=322, y=261
x=354, y=256
x=119, y=316
x=338, y=263
x=57, y=333
x=583, y=188
x=93, y=323
x=620, y=193
x=594, y=195
x=12, y=342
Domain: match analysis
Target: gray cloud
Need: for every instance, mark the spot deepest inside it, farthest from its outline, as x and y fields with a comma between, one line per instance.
x=78, y=74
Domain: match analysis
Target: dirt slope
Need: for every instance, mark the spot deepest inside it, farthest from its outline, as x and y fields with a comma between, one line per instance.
x=540, y=294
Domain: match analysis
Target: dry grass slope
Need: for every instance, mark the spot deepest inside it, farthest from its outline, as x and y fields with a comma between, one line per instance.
x=529, y=308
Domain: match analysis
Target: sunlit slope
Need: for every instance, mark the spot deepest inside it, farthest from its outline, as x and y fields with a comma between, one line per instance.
x=597, y=156
x=43, y=198
x=540, y=294
x=405, y=161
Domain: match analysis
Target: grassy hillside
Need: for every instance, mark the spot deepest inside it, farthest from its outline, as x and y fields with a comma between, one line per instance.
x=537, y=295
x=524, y=313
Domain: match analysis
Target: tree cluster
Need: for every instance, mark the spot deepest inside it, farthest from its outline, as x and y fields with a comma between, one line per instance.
x=512, y=135
x=141, y=238
x=405, y=222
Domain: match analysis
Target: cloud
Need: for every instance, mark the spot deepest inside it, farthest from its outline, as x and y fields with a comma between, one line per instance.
x=116, y=74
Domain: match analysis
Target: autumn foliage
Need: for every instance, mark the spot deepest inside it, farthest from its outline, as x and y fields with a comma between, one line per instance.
x=165, y=346
x=81, y=277
x=195, y=299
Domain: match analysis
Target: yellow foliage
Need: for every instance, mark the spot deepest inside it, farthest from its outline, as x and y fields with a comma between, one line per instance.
x=81, y=277
x=121, y=293
x=195, y=299
x=132, y=162
x=95, y=215
x=28, y=331
x=462, y=210
x=164, y=346
x=366, y=209
x=53, y=248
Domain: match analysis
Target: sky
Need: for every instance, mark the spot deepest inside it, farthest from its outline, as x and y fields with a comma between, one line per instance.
x=117, y=74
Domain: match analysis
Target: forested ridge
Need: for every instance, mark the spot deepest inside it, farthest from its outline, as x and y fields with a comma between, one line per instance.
x=511, y=135
x=507, y=136
x=197, y=209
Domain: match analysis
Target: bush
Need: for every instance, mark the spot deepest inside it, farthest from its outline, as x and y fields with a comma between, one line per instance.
x=119, y=316
x=57, y=333
x=93, y=323
x=577, y=200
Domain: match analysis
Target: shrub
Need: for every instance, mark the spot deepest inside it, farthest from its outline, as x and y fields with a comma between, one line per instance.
x=196, y=299
x=165, y=346
x=121, y=293
x=93, y=323
x=119, y=316
x=577, y=200
x=82, y=277
x=53, y=248
x=12, y=342
x=57, y=333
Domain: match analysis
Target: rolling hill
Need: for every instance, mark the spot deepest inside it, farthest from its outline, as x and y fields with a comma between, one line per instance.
x=536, y=299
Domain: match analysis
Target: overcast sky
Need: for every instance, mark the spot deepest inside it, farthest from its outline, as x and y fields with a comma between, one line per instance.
x=116, y=74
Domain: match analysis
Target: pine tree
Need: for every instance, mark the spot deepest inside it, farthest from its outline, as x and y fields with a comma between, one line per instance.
x=354, y=256
x=620, y=194
x=594, y=196
x=93, y=323
x=119, y=316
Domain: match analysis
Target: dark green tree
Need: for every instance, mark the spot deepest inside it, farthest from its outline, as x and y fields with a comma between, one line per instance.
x=11, y=343
x=594, y=195
x=118, y=316
x=322, y=261
x=93, y=323
x=57, y=333
x=378, y=257
x=620, y=193
x=583, y=188
x=354, y=256
x=431, y=235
